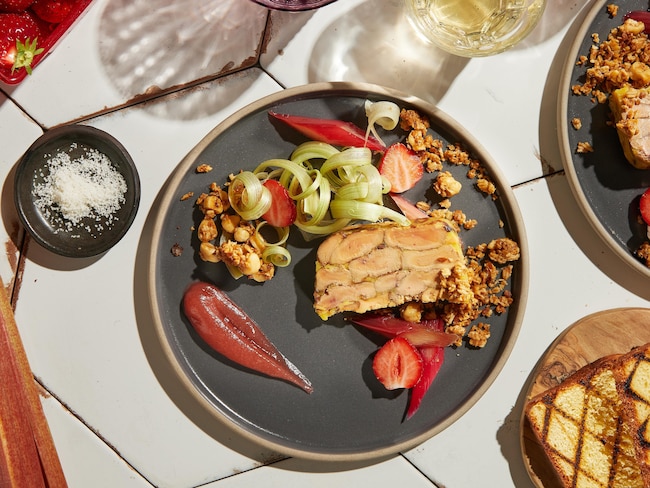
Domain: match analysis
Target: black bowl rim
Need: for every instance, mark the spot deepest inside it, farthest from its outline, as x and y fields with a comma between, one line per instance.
x=87, y=133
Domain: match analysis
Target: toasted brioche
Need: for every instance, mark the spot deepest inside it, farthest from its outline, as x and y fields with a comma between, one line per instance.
x=633, y=379
x=578, y=424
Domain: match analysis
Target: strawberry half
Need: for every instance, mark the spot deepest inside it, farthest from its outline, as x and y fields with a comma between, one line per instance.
x=644, y=206
x=402, y=167
x=282, y=212
x=397, y=364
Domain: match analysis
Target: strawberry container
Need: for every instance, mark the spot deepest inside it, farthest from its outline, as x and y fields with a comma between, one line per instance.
x=54, y=33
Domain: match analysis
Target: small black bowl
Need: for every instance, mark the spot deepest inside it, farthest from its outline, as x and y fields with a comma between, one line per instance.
x=96, y=232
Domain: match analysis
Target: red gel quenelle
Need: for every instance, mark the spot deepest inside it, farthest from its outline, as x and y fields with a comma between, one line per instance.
x=227, y=329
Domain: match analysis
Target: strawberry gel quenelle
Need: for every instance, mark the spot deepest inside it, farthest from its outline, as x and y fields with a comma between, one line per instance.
x=227, y=329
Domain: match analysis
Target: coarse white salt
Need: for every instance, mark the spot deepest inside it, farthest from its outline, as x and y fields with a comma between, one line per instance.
x=86, y=187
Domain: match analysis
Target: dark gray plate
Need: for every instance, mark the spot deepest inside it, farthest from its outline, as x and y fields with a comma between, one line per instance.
x=350, y=415
x=93, y=236
x=605, y=185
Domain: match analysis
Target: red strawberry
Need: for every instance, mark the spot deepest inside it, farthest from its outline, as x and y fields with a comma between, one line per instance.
x=402, y=167
x=15, y=5
x=283, y=209
x=19, y=34
x=644, y=206
x=397, y=364
x=53, y=11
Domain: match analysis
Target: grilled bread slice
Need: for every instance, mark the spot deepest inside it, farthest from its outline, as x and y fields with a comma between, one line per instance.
x=631, y=109
x=633, y=378
x=581, y=429
x=374, y=266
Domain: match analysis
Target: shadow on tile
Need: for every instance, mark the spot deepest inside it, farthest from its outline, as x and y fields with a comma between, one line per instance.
x=202, y=100
x=557, y=14
x=509, y=438
x=376, y=44
x=150, y=46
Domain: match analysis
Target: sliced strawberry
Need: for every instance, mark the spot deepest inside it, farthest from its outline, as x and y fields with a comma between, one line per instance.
x=283, y=209
x=644, y=206
x=397, y=364
x=402, y=167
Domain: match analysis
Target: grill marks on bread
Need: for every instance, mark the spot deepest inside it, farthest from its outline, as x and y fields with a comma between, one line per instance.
x=593, y=426
x=634, y=386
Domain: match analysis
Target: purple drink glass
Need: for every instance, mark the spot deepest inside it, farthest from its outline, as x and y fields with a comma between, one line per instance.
x=294, y=5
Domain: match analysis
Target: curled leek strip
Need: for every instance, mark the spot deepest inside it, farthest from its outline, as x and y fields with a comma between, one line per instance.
x=248, y=197
x=312, y=150
x=384, y=114
x=323, y=228
x=276, y=255
x=356, y=210
x=298, y=193
x=314, y=209
x=283, y=234
x=275, y=252
x=375, y=181
x=353, y=191
x=342, y=168
x=291, y=170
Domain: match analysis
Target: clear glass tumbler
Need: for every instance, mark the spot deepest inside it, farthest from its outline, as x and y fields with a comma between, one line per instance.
x=473, y=28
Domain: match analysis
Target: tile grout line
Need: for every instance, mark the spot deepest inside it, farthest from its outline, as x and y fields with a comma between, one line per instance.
x=435, y=485
x=47, y=392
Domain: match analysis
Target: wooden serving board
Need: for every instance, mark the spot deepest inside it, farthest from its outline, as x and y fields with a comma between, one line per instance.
x=613, y=331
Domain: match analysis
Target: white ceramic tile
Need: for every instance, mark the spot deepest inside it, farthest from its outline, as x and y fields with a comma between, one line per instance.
x=123, y=50
x=19, y=132
x=84, y=323
x=86, y=460
x=294, y=473
x=86, y=337
x=566, y=285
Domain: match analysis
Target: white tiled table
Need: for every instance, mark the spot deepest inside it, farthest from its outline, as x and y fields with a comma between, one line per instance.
x=113, y=422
